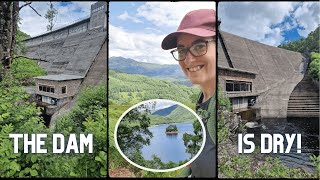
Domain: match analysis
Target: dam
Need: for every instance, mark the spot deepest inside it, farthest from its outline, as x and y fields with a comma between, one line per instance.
x=76, y=56
x=270, y=79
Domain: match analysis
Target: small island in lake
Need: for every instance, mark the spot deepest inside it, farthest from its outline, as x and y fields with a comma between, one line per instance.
x=172, y=129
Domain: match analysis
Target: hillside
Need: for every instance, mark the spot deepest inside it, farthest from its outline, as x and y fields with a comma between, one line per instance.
x=182, y=114
x=165, y=111
x=161, y=71
x=179, y=114
x=133, y=88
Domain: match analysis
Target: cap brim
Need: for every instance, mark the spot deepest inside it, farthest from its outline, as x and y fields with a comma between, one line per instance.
x=170, y=41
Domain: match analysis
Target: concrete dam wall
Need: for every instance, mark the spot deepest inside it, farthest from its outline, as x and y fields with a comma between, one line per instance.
x=277, y=71
x=69, y=54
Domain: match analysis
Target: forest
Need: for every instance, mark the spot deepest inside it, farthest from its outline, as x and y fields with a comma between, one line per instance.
x=125, y=90
x=134, y=88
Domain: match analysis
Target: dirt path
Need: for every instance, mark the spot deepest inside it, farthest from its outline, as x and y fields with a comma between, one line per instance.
x=121, y=172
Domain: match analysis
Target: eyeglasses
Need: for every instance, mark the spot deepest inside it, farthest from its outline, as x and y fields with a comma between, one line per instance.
x=198, y=49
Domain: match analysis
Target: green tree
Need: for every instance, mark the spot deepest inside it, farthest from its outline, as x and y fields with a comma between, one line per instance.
x=193, y=142
x=133, y=132
x=305, y=45
x=20, y=45
x=315, y=66
x=24, y=69
x=17, y=115
x=172, y=128
x=50, y=16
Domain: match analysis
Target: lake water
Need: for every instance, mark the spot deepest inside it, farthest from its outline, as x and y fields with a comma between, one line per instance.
x=309, y=130
x=168, y=147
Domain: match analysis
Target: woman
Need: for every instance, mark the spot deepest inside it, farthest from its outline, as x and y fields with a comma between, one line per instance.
x=195, y=49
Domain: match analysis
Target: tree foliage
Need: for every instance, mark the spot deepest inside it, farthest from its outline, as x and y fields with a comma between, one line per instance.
x=50, y=16
x=18, y=115
x=20, y=45
x=172, y=128
x=193, y=141
x=133, y=132
x=24, y=70
x=133, y=88
x=305, y=45
x=315, y=66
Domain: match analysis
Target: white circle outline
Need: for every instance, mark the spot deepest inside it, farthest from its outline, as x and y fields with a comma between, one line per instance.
x=160, y=170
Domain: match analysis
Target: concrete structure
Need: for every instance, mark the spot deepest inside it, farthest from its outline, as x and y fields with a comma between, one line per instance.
x=304, y=99
x=56, y=90
x=254, y=73
x=71, y=51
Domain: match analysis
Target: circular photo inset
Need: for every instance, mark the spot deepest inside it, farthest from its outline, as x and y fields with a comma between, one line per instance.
x=159, y=135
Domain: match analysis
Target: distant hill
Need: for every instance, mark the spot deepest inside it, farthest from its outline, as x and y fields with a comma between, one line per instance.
x=162, y=71
x=165, y=111
x=305, y=45
x=178, y=114
x=181, y=113
x=133, y=88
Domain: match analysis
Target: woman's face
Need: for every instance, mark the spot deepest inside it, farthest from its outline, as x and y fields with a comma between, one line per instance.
x=200, y=70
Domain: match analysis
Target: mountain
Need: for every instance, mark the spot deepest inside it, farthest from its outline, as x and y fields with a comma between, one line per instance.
x=181, y=113
x=162, y=71
x=133, y=88
x=165, y=111
x=177, y=114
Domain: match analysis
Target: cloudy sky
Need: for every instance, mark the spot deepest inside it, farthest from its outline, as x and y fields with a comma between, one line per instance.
x=271, y=23
x=68, y=12
x=136, y=29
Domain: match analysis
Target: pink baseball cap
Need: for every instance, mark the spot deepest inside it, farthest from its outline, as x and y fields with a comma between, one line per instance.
x=200, y=22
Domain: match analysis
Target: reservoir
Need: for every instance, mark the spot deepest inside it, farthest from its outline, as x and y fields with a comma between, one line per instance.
x=168, y=147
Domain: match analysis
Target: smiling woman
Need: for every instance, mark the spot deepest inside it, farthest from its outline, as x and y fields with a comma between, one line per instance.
x=195, y=50
x=142, y=25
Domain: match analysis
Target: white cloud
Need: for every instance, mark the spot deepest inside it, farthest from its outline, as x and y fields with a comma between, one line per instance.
x=33, y=24
x=307, y=17
x=289, y=25
x=253, y=20
x=274, y=38
x=140, y=46
x=125, y=16
x=145, y=45
x=169, y=14
x=257, y=20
